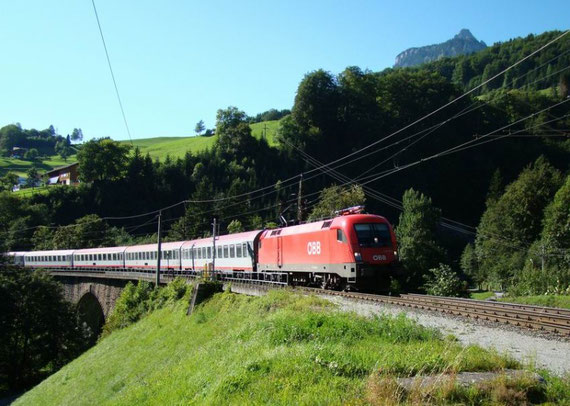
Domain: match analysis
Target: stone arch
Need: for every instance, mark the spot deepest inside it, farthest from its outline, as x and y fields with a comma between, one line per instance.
x=91, y=315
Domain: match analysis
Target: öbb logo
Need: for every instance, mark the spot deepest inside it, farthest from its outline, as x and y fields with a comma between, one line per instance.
x=314, y=248
x=379, y=257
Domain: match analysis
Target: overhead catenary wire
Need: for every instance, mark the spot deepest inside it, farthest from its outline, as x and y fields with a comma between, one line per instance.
x=452, y=101
x=112, y=74
x=250, y=193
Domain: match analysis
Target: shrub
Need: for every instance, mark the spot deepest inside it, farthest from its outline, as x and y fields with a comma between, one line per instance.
x=444, y=281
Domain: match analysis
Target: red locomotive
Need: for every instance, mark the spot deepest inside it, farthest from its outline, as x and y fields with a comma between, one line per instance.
x=351, y=250
x=348, y=250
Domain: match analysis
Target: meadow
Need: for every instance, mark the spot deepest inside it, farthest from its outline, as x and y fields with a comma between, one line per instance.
x=283, y=348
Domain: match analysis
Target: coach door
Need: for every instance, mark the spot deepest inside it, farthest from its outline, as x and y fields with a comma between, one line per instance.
x=279, y=251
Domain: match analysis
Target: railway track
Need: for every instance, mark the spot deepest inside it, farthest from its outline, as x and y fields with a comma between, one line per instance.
x=538, y=318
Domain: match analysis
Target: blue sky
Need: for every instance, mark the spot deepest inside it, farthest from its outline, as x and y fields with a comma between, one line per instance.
x=177, y=62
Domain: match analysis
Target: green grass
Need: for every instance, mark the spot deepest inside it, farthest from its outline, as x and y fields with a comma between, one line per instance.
x=21, y=166
x=176, y=147
x=269, y=128
x=280, y=349
x=562, y=301
x=481, y=295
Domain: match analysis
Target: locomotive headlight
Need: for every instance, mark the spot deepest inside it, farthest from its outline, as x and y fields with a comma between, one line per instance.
x=358, y=257
x=395, y=253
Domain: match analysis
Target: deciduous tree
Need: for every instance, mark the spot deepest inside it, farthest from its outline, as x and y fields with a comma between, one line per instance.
x=102, y=159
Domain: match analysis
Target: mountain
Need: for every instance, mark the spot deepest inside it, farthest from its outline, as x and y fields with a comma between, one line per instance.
x=462, y=43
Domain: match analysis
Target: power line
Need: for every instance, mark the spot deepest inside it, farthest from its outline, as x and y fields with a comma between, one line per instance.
x=111, y=70
x=452, y=101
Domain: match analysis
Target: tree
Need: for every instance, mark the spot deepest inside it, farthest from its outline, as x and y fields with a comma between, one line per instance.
x=199, y=127
x=43, y=238
x=514, y=222
x=8, y=181
x=102, y=160
x=470, y=265
x=87, y=232
x=77, y=135
x=416, y=235
x=39, y=329
x=555, y=236
x=234, y=133
x=336, y=198
x=235, y=227
x=63, y=149
x=32, y=179
x=31, y=154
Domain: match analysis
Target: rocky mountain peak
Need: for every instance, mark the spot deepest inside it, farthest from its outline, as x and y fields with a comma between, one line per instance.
x=466, y=35
x=462, y=43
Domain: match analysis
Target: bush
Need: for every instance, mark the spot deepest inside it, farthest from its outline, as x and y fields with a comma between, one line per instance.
x=138, y=300
x=444, y=281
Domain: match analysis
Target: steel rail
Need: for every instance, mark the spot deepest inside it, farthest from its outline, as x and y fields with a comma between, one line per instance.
x=553, y=320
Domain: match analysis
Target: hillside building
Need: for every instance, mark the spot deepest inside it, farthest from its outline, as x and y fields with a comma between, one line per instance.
x=65, y=175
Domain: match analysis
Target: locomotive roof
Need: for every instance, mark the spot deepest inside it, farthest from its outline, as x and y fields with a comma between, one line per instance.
x=335, y=222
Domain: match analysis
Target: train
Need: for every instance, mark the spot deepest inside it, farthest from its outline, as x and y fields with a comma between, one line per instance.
x=351, y=251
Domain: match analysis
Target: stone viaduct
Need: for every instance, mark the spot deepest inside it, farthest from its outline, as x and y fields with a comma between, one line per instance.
x=94, y=293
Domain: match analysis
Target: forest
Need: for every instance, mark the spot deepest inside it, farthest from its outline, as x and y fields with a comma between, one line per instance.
x=478, y=189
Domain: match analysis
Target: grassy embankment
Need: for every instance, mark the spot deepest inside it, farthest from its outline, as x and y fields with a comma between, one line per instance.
x=562, y=301
x=176, y=147
x=278, y=349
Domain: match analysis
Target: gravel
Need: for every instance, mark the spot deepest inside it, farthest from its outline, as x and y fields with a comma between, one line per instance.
x=530, y=349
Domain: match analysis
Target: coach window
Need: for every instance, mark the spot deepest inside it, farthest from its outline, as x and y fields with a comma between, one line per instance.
x=238, y=250
x=232, y=251
x=245, y=250
x=340, y=235
x=226, y=252
x=220, y=251
x=98, y=257
x=209, y=252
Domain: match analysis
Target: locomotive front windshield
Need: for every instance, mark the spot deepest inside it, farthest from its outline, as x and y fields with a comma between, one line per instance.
x=373, y=235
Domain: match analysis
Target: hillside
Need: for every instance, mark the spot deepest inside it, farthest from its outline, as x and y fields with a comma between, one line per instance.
x=461, y=44
x=176, y=147
x=282, y=349
x=20, y=166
